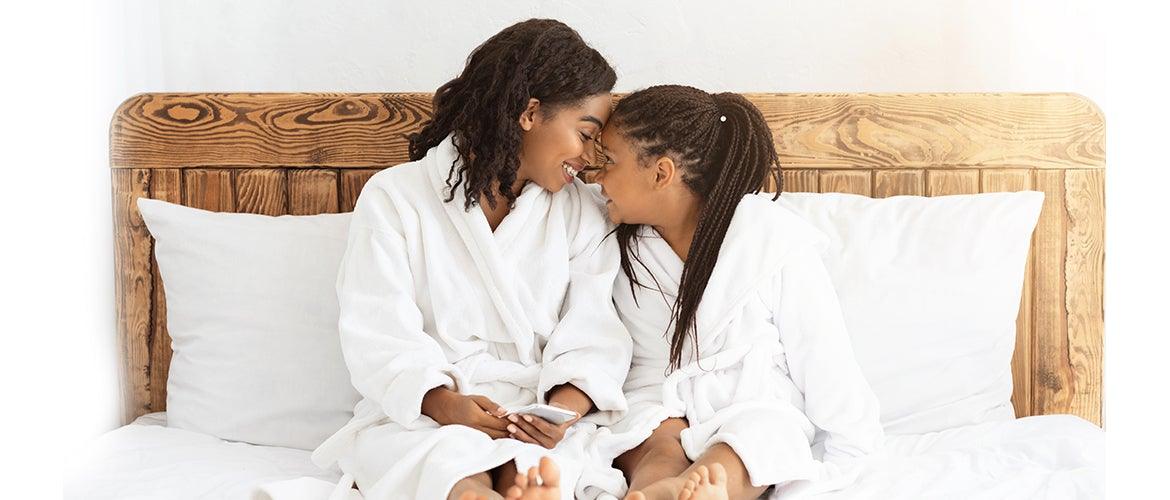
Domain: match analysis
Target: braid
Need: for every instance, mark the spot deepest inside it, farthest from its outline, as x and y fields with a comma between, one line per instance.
x=724, y=150
x=537, y=58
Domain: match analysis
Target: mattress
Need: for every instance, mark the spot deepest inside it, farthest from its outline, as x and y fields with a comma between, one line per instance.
x=1053, y=456
x=147, y=460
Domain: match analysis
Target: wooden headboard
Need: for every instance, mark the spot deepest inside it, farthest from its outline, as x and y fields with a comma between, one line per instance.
x=311, y=153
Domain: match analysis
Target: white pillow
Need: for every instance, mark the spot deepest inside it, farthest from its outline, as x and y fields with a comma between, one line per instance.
x=930, y=289
x=252, y=314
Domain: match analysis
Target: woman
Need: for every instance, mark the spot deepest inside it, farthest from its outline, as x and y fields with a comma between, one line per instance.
x=740, y=348
x=479, y=277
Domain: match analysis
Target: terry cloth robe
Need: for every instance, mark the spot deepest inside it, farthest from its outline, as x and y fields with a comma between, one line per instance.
x=774, y=362
x=430, y=296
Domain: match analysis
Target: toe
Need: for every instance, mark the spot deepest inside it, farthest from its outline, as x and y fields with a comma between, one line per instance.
x=718, y=474
x=514, y=493
x=704, y=475
x=550, y=474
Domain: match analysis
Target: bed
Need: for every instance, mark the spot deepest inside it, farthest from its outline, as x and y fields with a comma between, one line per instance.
x=307, y=154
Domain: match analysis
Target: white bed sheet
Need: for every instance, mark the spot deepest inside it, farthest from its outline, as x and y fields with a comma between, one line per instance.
x=1042, y=457
x=1053, y=456
x=147, y=460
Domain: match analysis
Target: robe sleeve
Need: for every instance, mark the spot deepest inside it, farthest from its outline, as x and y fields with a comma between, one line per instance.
x=837, y=397
x=590, y=347
x=391, y=360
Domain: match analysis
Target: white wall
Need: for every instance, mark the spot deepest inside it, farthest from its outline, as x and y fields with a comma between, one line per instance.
x=789, y=46
x=377, y=45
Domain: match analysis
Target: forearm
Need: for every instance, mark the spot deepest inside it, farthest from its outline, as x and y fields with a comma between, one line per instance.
x=569, y=396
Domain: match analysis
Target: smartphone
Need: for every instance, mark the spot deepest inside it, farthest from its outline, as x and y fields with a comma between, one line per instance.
x=552, y=414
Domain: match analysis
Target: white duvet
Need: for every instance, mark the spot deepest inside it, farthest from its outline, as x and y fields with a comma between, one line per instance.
x=1054, y=456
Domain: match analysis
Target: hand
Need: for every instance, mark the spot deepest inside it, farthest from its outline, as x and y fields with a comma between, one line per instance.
x=536, y=430
x=448, y=407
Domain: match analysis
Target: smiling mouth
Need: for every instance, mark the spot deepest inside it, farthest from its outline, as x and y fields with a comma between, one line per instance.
x=569, y=170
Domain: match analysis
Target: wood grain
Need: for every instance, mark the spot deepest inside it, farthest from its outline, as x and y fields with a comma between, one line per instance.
x=209, y=189
x=1053, y=380
x=847, y=181
x=133, y=289
x=1084, y=267
x=261, y=191
x=838, y=131
x=166, y=185
x=1022, y=355
x=312, y=191
x=947, y=182
x=800, y=181
x=265, y=130
x=351, y=186
x=888, y=183
x=875, y=131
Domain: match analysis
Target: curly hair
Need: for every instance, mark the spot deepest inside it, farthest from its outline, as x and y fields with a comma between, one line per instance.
x=538, y=58
x=724, y=150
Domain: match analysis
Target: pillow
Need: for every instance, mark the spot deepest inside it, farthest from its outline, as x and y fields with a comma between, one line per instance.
x=252, y=314
x=930, y=289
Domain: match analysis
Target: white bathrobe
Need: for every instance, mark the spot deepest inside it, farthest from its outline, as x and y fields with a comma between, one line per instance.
x=430, y=296
x=774, y=358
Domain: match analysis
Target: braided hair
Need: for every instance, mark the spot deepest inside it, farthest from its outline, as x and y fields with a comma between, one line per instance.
x=723, y=149
x=538, y=58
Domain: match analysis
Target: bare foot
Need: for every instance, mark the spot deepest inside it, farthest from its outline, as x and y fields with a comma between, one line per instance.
x=663, y=489
x=705, y=485
x=471, y=495
x=542, y=484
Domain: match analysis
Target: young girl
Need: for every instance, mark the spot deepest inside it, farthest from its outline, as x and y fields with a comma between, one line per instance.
x=479, y=277
x=740, y=349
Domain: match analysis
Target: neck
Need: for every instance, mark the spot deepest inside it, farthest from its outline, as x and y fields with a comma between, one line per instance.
x=679, y=224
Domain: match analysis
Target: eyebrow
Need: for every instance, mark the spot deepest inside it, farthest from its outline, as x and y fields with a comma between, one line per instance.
x=592, y=119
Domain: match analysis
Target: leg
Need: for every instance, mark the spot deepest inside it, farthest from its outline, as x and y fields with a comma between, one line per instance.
x=474, y=487
x=719, y=474
x=652, y=468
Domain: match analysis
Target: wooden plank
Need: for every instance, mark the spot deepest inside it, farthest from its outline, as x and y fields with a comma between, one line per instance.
x=166, y=185
x=132, y=290
x=209, y=189
x=266, y=130
x=888, y=183
x=312, y=191
x=876, y=131
x=351, y=186
x=800, y=181
x=261, y=191
x=947, y=182
x=1051, y=371
x=1022, y=357
x=838, y=131
x=1084, y=275
x=846, y=181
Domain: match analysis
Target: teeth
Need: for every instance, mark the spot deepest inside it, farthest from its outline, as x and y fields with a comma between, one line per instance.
x=569, y=169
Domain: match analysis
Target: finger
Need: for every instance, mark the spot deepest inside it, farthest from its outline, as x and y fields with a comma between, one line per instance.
x=519, y=435
x=493, y=422
x=542, y=425
x=544, y=440
x=488, y=405
x=493, y=433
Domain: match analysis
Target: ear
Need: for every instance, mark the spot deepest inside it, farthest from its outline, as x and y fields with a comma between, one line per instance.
x=528, y=116
x=665, y=172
